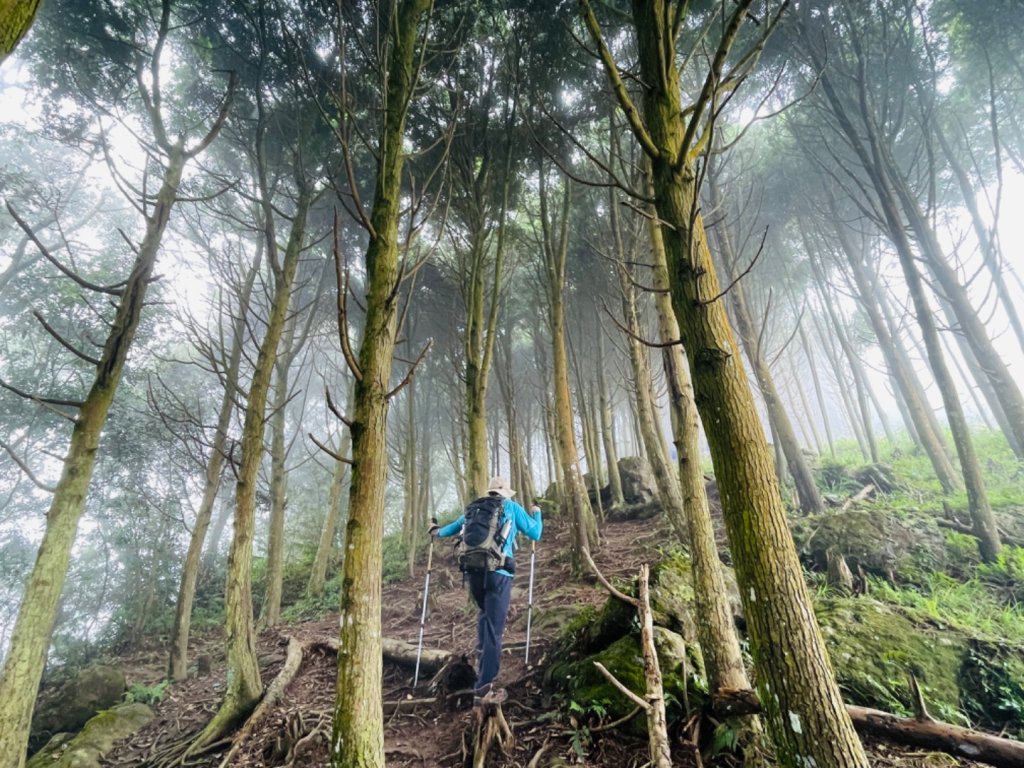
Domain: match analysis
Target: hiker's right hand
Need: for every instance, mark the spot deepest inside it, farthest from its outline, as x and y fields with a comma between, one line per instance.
x=433, y=529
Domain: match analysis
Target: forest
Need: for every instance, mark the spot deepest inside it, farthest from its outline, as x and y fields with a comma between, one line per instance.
x=728, y=290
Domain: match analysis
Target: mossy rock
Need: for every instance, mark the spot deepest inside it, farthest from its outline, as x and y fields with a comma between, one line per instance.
x=875, y=646
x=592, y=694
x=992, y=684
x=67, y=709
x=876, y=539
x=97, y=737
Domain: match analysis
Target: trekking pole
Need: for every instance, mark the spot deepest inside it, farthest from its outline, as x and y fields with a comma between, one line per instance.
x=423, y=613
x=529, y=599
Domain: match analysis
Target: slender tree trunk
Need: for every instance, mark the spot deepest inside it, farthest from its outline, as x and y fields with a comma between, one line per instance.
x=803, y=703
x=806, y=489
x=271, y=613
x=573, y=490
x=607, y=432
x=318, y=575
x=177, y=663
x=358, y=737
x=913, y=396
x=244, y=686
x=812, y=365
x=30, y=639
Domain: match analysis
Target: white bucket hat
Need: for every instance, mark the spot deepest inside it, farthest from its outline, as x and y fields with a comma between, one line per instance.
x=499, y=485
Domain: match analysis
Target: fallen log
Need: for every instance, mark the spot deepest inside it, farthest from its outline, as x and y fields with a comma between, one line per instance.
x=922, y=731
x=863, y=493
x=934, y=734
x=401, y=652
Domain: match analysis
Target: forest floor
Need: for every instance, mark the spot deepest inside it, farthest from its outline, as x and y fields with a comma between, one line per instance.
x=296, y=731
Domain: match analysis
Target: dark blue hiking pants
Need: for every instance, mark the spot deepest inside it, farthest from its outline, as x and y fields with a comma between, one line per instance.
x=492, y=593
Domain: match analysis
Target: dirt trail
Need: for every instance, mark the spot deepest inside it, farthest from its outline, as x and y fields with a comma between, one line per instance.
x=421, y=737
x=297, y=730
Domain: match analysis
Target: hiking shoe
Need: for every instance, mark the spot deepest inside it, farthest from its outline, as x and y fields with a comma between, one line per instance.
x=488, y=694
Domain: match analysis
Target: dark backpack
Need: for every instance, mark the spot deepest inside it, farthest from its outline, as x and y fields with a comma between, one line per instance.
x=483, y=536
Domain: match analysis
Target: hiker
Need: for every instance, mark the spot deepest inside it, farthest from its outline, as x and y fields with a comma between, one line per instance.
x=491, y=585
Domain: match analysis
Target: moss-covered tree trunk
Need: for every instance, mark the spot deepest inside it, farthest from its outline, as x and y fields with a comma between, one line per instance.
x=270, y=616
x=572, y=489
x=16, y=16
x=716, y=629
x=666, y=478
x=30, y=639
x=358, y=737
x=244, y=685
x=808, y=721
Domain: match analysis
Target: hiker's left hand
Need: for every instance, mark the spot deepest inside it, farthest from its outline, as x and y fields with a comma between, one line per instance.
x=433, y=529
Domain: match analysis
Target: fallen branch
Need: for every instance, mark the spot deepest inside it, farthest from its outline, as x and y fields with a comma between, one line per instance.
x=863, y=493
x=952, y=739
x=273, y=694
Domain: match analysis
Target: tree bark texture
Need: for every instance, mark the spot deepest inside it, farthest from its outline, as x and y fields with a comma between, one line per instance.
x=358, y=737
x=30, y=639
x=716, y=629
x=806, y=714
x=16, y=16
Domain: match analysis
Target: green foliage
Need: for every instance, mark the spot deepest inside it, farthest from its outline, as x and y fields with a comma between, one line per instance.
x=726, y=737
x=147, y=694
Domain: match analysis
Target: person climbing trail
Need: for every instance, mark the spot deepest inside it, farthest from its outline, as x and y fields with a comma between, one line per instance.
x=488, y=529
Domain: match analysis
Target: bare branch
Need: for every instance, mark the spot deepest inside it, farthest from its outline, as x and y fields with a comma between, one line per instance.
x=622, y=688
x=328, y=451
x=25, y=468
x=744, y=273
x=113, y=290
x=64, y=342
x=412, y=371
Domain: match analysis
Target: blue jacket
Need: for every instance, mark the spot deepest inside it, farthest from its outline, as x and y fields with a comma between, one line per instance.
x=530, y=525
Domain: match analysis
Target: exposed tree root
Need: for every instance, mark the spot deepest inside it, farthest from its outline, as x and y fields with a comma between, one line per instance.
x=273, y=694
x=489, y=729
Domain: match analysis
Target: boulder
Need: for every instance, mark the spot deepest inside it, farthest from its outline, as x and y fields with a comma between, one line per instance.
x=880, y=541
x=68, y=708
x=100, y=733
x=874, y=647
x=638, y=485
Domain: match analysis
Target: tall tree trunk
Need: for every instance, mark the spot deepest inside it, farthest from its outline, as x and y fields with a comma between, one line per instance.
x=806, y=489
x=573, y=491
x=30, y=639
x=716, y=629
x=913, y=396
x=244, y=685
x=666, y=477
x=819, y=395
x=270, y=616
x=804, y=706
x=611, y=454
x=177, y=663
x=358, y=737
